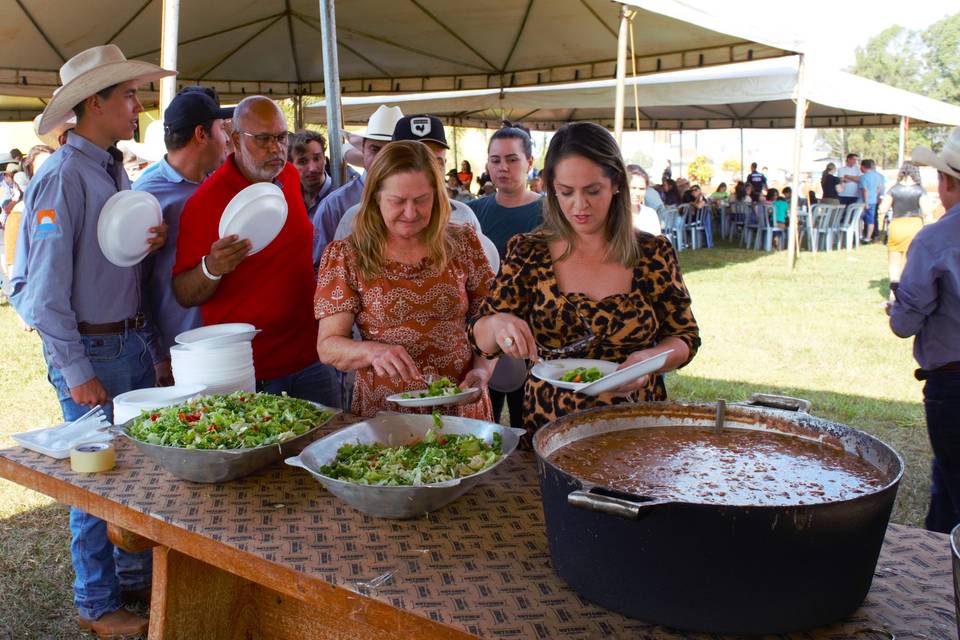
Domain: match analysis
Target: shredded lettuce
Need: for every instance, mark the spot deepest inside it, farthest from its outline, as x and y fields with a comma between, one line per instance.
x=440, y=387
x=236, y=421
x=436, y=458
x=582, y=374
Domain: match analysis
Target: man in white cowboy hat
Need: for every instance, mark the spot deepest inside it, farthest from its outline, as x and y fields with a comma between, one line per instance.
x=86, y=309
x=375, y=137
x=927, y=306
x=428, y=130
x=196, y=144
x=272, y=288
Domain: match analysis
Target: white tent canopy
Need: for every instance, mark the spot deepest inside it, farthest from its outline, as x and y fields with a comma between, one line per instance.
x=274, y=46
x=758, y=94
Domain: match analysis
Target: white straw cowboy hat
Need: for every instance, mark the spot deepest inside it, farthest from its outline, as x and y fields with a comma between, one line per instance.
x=381, y=124
x=52, y=138
x=947, y=161
x=152, y=149
x=91, y=71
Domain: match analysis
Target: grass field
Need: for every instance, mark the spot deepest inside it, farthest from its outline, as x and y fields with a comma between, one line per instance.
x=819, y=334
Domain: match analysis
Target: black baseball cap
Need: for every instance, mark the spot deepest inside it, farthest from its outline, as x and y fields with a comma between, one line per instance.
x=193, y=106
x=421, y=127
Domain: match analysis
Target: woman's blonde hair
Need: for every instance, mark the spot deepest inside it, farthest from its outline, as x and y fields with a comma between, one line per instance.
x=369, y=237
x=594, y=143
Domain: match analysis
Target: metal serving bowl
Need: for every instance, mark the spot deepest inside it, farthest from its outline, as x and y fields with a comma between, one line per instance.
x=397, y=429
x=221, y=465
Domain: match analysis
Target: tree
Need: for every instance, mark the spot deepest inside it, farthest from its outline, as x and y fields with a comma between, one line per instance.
x=732, y=167
x=925, y=62
x=700, y=170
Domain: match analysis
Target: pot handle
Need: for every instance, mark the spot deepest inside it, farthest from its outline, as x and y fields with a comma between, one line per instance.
x=785, y=403
x=630, y=509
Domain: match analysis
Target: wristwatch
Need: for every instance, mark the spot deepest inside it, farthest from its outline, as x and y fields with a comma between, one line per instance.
x=206, y=272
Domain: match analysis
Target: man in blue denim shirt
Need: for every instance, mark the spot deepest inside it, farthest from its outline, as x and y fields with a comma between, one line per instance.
x=85, y=308
x=196, y=146
x=928, y=306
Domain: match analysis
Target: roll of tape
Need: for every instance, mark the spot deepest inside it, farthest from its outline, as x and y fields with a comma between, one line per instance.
x=93, y=457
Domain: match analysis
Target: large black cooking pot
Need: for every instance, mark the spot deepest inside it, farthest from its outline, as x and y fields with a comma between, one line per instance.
x=714, y=568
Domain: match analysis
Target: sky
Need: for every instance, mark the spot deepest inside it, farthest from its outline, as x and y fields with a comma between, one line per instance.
x=832, y=36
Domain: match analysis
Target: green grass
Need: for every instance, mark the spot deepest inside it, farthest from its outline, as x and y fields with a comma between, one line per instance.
x=819, y=333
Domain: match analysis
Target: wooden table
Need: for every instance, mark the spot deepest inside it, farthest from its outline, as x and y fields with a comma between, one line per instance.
x=273, y=555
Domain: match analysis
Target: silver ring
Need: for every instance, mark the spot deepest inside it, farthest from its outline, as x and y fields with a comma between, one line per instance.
x=508, y=342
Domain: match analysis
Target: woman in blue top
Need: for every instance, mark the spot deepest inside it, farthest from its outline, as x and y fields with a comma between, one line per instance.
x=780, y=209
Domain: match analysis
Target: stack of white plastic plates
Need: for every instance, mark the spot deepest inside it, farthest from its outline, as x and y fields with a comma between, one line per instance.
x=217, y=356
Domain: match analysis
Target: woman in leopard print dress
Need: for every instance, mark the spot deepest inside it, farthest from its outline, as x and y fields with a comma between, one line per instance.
x=586, y=284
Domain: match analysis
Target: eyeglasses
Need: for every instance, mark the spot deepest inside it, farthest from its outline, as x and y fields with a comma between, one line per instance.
x=264, y=139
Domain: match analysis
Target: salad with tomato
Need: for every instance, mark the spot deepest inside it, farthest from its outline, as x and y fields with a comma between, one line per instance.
x=435, y=458
x=240, y=420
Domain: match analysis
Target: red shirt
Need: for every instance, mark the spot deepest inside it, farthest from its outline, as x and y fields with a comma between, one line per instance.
x=273, y=289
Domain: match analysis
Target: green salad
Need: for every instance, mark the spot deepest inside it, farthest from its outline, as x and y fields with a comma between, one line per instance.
x=436, y=458
x=240, y=420
x=440, y=387
x=582, y=374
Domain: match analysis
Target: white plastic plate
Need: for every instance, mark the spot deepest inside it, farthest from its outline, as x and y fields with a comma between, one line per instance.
x=257, y=214
x=123, y=226
x=467, y=395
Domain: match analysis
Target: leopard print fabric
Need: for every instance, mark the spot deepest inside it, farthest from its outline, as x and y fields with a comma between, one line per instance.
x=656, y=307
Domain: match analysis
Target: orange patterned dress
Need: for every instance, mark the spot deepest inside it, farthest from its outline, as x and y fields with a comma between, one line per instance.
x=416, y=306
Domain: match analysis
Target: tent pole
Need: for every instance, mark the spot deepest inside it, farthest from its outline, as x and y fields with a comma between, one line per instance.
x=798, y=123
x=621, y=73
x=331, y=89
x=741, y=154
x=901, y=149
x=298, y=112
x=169, y=28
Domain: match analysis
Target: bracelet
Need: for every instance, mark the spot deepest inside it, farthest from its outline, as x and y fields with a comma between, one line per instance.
x=206, y=272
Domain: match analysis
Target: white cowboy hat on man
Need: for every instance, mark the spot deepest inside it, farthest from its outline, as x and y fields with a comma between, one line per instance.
x=947, y=161
x=381, y=123
x=91, y=71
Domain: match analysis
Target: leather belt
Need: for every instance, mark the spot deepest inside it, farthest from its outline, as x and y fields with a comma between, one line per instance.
x=923, y=374
x=136, y=322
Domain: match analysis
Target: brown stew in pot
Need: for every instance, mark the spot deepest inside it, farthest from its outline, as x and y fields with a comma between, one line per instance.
x=734, y=467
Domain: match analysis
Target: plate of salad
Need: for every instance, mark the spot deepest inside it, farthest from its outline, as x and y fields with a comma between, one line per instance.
x=440, y=391
x=572, y=373
x=219, y=438
x=404, y=465
x=593, y=377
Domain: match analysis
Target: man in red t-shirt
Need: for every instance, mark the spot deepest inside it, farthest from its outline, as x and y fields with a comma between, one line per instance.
x=272, y=289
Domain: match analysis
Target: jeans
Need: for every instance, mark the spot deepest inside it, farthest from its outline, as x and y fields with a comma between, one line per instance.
x=317, y=383
x=941, y=400
x=121, y=363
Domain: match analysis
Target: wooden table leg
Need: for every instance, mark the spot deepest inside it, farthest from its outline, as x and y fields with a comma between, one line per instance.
x=192, y=599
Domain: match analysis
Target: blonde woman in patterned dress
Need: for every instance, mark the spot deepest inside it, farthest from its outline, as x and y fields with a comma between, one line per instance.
x=410, y=281
x=586, y=284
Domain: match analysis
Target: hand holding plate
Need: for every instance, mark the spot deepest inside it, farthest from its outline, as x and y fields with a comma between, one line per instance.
x=159, y=238
x=226, y=253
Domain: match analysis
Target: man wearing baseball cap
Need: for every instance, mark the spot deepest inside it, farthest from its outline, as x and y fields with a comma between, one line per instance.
x=196, y=146
x=927, y=306
x=86, y=309
x=428, y=130
x=378, y=133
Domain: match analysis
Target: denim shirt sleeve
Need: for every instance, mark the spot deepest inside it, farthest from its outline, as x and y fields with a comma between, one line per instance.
x=916, y=296
x=49, y=272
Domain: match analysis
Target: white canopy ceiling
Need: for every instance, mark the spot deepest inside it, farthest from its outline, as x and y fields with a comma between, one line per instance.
x=759, y=94
x=274, y=46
